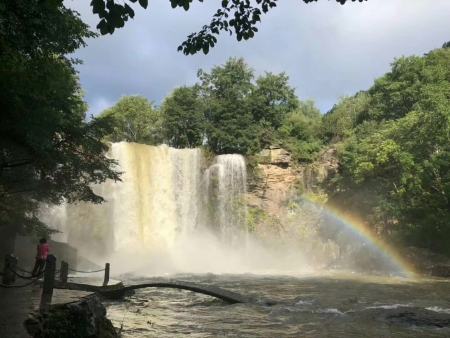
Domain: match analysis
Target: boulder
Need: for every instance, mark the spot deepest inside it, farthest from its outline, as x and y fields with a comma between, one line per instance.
x=275, y=156
x=83, y=318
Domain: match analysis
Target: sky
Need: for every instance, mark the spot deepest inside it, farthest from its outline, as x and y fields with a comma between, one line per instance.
x=327, y=50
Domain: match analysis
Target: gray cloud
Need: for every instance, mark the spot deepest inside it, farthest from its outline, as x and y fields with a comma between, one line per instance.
x=328, y=50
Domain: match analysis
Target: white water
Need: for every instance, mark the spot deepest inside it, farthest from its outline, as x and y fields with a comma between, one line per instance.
x=226, y=188
x=172, y=212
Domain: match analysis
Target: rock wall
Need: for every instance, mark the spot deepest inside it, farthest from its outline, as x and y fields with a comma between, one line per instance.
x=277, y=179
x=274, y=178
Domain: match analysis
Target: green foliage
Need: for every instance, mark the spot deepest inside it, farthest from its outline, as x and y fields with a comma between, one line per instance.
x=395, y=165
x=227, y=111
x=243, y=116
x=255, y=217
x=183, y=119
x=225, y=91
x=300, y=131
x=133, y=119
x=272, y=99
x=340, y=121
x=409, y=86
x=233, y=16
x=48, y=152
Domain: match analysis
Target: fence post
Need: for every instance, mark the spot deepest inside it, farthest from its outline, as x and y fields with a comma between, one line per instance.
x=49, y=282
x=10, y=264
x=64, y=272
x=106, y=279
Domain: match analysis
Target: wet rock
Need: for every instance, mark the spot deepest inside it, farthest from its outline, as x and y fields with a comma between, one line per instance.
x=84, y=318
x=427, y=262
x=440, y=270
x=419, y=318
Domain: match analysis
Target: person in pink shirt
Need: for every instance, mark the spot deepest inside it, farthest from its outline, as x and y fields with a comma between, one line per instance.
x=41, y=257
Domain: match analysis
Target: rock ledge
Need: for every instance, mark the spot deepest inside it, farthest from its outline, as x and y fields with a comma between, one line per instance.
x=84, y=318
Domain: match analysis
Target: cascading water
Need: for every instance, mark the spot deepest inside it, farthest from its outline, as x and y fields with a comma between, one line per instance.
x=169, y=207
x=227, y=186
x=174, y=213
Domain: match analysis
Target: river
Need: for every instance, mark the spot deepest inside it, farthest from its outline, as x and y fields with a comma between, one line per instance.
x=179, y=210
x=329, y=305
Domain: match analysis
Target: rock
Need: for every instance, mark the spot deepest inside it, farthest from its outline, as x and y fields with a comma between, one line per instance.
x=440, y=270
x=323, y=168
x=264, y=156
x=416, y=317
x=280, y=156
x=427, y=262
x=273, y=188
x=84, y=318
x=275, y=156
x=279, y=181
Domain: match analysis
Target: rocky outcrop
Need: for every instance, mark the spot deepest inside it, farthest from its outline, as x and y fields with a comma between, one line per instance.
x=85, y=318
x=279, y=178
x=274, y=186
x=440, y=270
x=427, y=262
x=275, y=156
x=317, y=172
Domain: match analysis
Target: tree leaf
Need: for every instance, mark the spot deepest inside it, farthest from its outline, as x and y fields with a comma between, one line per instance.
x=143, y=3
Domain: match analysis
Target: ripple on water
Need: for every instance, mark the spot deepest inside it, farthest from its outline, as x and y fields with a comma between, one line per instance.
x=309, y=307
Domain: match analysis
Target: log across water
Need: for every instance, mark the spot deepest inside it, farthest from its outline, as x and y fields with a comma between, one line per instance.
x=119, y=290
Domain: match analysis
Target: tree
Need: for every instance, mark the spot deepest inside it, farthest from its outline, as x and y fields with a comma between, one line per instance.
x=134, y=119
x=48, y=152
x=404, y=87
x=341, y=120
x=272, y=99
x=238, y=16
x=395, y=164
x=300, y=131
x=225, y=92
x=184, y=123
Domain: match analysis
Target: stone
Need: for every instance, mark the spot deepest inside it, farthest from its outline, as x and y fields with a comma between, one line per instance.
x=275, y=156
x=279, y=156
x=83, y=318
x=440, y=270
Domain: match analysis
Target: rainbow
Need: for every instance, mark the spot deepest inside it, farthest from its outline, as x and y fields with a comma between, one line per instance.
x=359, y=228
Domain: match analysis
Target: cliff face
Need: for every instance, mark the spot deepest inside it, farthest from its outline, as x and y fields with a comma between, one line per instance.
x=277, y=179
x=274, y=190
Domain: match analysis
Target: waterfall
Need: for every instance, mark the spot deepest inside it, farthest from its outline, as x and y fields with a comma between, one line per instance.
x=163, y=197
x=227, y=184
x=173, y=211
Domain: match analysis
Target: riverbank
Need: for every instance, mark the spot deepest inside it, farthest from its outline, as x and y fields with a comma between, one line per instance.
x=18, y=303
x=84, y=318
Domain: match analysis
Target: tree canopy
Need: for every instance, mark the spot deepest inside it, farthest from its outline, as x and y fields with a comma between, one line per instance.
x=228, y=111
x=183, y=118
x=48, y=152
x=226, y=90
x=233, y=16
x=133, y=119
x=396, y=157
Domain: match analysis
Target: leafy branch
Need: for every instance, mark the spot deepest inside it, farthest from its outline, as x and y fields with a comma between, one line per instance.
x=233, y=16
